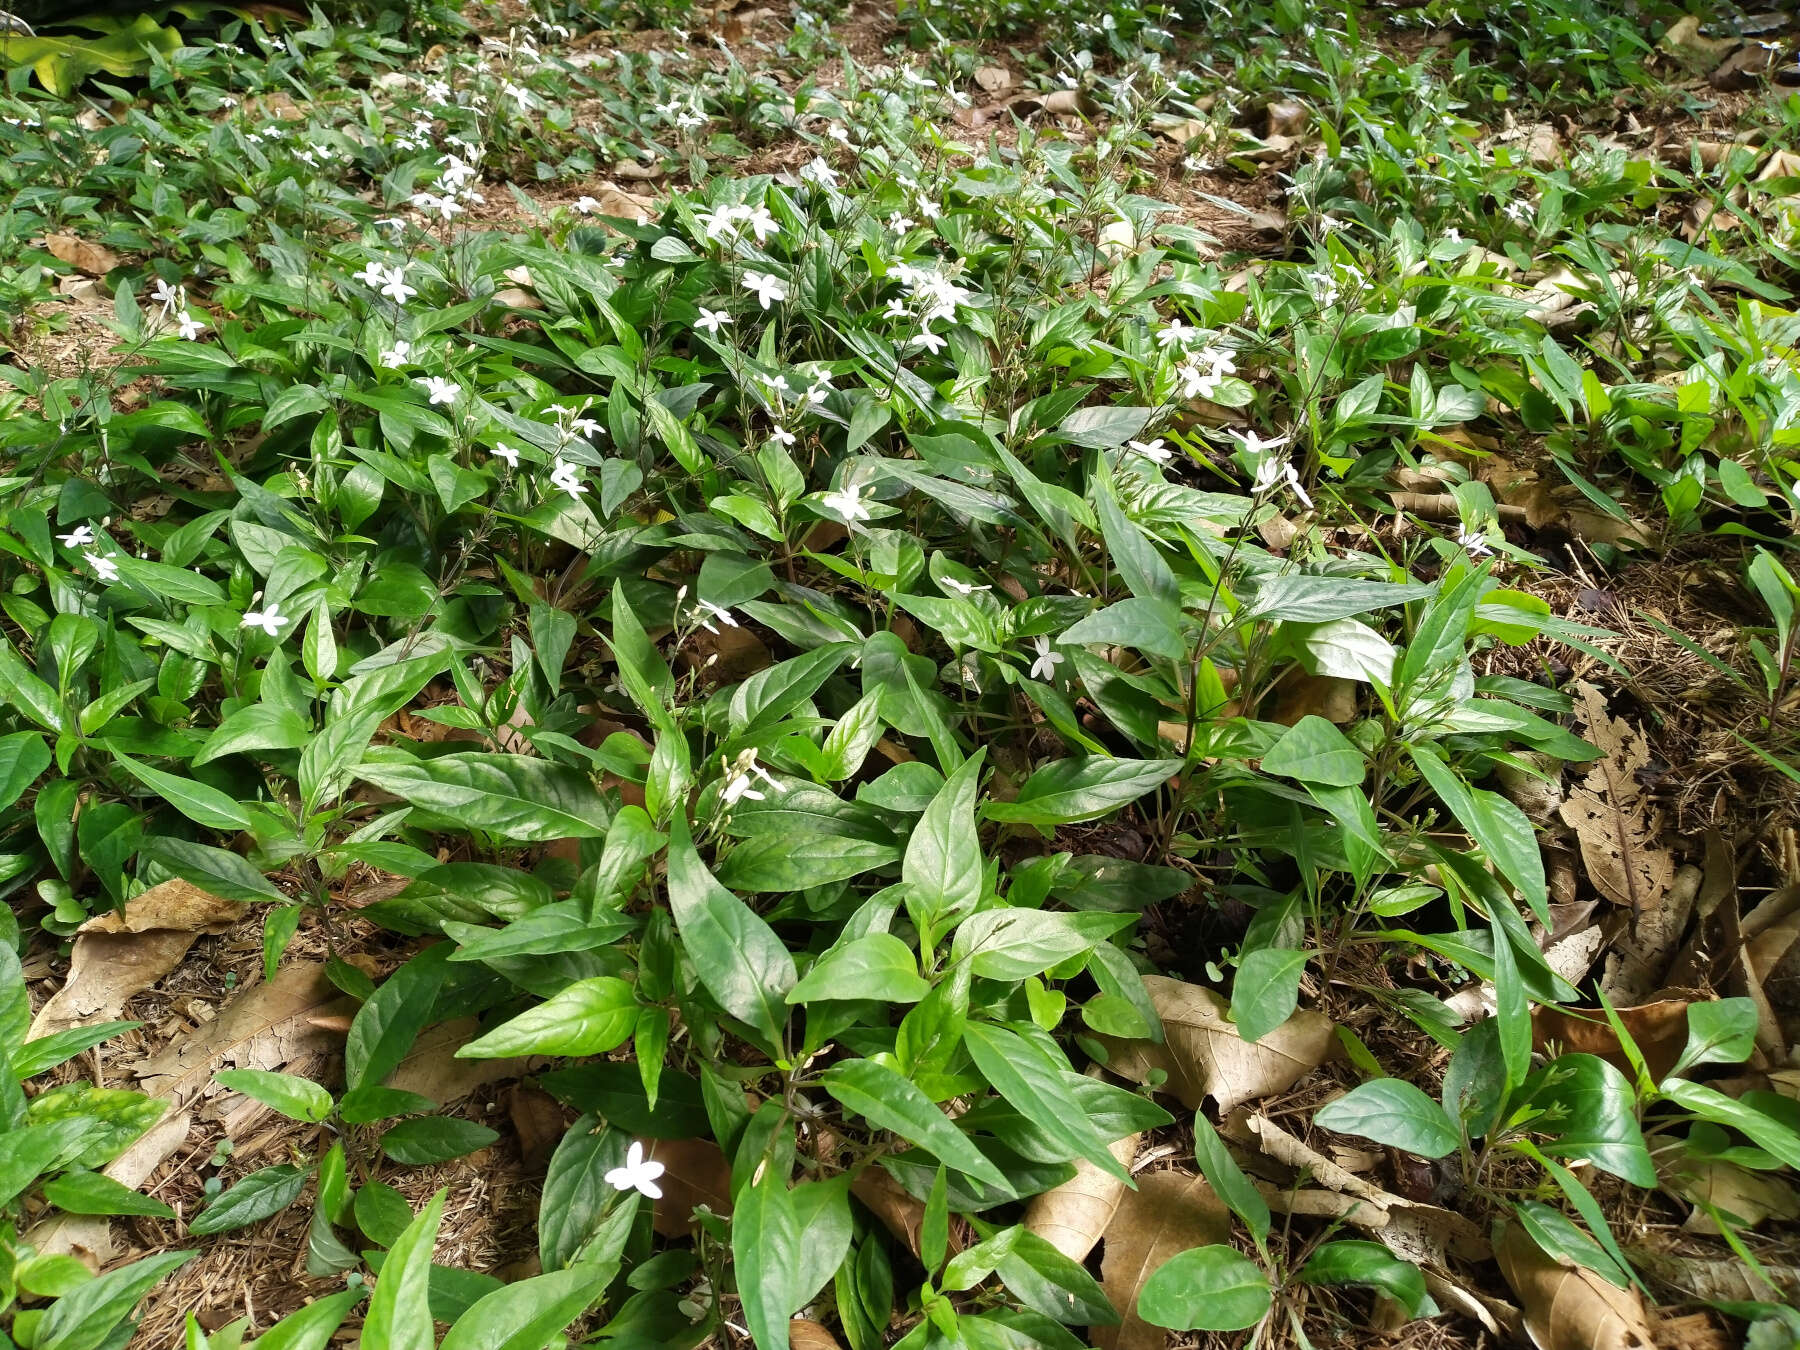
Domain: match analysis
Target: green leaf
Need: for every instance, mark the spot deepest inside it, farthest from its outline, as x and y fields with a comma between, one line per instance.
x=1372, y=1264
x=1392, y=1111
x=312, y=1327
x=218, y=870
x=942, y=867
x=84, y=1318
x=400, y=1313
x=877, y=965
x=528, y=1315
x=1214, y=1288
x=199, y=803
x=1593, y=1114
x=781, y=862
x=294, y=1097
x=1104, y=426
x=46, y=1052
x=589, y=1017
x=1315, y=751
x=254, y=1198
x=1228, y=1180
x=434, y=1139
x=1033, y=1086
x=766, y=1251
x=738, y=957
x=1722, y=1031
x=260, y=726
x=97, y=1193
x=1012, y=944
x=890, y=1102
x=386, y=1026
x=23, y=756
x=1082, y=787
x=1046, y=1281
x=529, y=801
x=1500, y=827
x=1149, y=624
x=1266, y=990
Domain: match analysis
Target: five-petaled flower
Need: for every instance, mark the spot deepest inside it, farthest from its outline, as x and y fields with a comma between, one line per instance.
x=504, y=451
x=567, y=477
x=373, y=274
x=1474, y=542
x=266, y=619
x=166, y=295
x=638, y=1174
x=439, y=389
x=846, y=502
x=190, y=327
x=712, y=320
x=394, y=286
x=397, y=355
x=1155, y=450
x=79, y=537
x=1044, y=668
x=104, y=568
x=769, y=289
x=742, y=781
x=708, y=611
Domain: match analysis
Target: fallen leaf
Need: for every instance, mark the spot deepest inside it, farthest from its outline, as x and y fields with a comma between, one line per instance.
x=516, y=297
x=1704, y=1281
x=94, y=259
x=1286, y=118
x=993, y=79
x=1743, y=1196
x=1659, y=1029
x=539, y=1121
x=1169, y=1212
x=900, y=1213
x=634, y=169
x=805, y=1335
x=116, y=955
x=1298, y=695
x=262, y=1027
x=432, y=1069
x=1073, y=1217
x=1202, y=1054
x=1570, y=1307
x=698, y=1174
x=1621, y=835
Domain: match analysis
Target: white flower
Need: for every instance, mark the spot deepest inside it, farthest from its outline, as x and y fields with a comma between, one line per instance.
x=437, y=92
x=709, y=611
x=637, y=1174
x=1154, y=451
x=712, y=319
x=1044, y=668
x=446, y=206
x=587, y=205
x=898, y=222
x=1219, y=358
x=191, y=327
x=1274, y=470
x=567, y=477
x=397, y=355
x=768, y=288
x=1518, y=210
x=1174, y=333
x=782, y=436
x=762, y=224
x=846, y=502
x=504, y=451
x=79, y=537
x=930, y=341
x=441, y=390
x=456, y=172
x=1474, y=542
x=818, y=171
x=372, y=275
x=1254, y=445
x=165, y=295
x=963, y=587
x=267, y=620
x=691, y=120
x=104, y=568
x=395, y=287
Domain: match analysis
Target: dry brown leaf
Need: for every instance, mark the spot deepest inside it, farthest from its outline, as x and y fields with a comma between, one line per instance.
x=994, y=79
x=1073, y=1217
x=805, y=1335
x=117, y=955
x=1169, y=1212
x=1203, y=1055
x=1569, y=1307
x=516, y=297
x=89, y=1236
x=1717, y=1281
x=432, y=1069
x=263, y=1027
x=539, y=1121
x=1748, y=1197
x=1298, y=695
x=1286, y=118
x=1619, y=828
x=697, y=1174
x=1659, y=1029
x=638, y=171
x=899, y=1212
x=94, y=259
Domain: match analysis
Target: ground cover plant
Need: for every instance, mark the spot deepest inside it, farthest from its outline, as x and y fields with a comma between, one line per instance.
x=955, y=675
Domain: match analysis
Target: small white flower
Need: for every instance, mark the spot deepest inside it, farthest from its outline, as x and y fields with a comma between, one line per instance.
x=1273, y=470
x=818, y=171
x=587, y=205
x=267, y=620
x=762, y=224
x=846, y=502
x=930, y=341
x=898, y=223
x=1155, y=450
x=638, y=1174
x=587, y=426
x=767, y=288
x=372, y=275
x=394, y=286
x=445, y=206
x=504, y=451
x=1474, y=542
x=963, y=587
x=1518, y=210
x=1174, y=333
x=398, y=355
x=1255, y=446
x=440, y=390
x=191, y=327
x=712, y=319
x=567, y=477
x=1044, y=668
x=709, y=612
x=104, y=568
x=165, y=295
x=782, y=436
x=79, y=537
